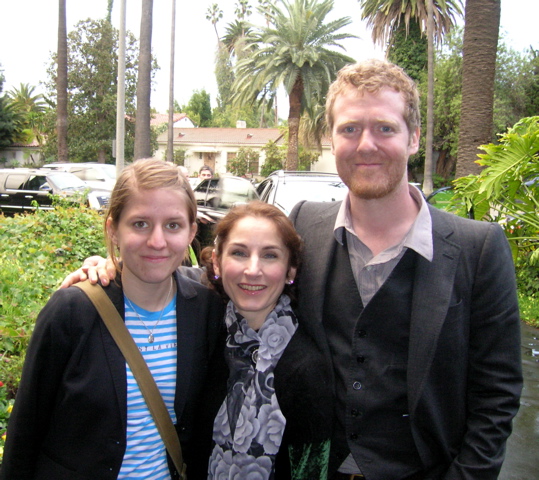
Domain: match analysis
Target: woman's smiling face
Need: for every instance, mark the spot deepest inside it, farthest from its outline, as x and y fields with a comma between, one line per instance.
x=254, y=266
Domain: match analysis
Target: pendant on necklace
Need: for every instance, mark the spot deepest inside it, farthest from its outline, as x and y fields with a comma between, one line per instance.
x=150, y=338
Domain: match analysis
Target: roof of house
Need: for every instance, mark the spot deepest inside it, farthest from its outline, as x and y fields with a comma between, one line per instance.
x=160, y=118
x=224, y=136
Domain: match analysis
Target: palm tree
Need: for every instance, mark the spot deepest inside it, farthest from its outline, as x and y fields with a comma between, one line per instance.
x=214, y=14
x=293, y=52
x=61, y=83
x=481, y=27
x=144, y=83
x=29, y=108
x=235, y=36
x=385, y=17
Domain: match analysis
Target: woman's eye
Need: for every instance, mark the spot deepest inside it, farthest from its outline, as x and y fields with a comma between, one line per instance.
x=270, y=255
x=173, y=226
x=238, y=253
x=140, y=224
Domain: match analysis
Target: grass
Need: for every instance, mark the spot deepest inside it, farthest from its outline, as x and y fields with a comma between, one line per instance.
x=529, y=309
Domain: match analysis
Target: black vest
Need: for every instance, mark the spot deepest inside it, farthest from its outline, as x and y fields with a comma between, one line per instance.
x=370, y=351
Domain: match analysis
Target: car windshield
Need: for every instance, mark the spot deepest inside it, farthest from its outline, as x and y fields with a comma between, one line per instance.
x=224, y=193
x=291, y=192
x=66, y=181
x=109, y=170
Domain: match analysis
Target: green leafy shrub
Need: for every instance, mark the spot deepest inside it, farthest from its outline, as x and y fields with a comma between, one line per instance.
x=507, y=189
x=36, y=252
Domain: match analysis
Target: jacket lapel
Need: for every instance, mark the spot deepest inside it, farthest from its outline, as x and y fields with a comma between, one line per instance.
x=320, y=244
x=433, y=287
x=185, y=313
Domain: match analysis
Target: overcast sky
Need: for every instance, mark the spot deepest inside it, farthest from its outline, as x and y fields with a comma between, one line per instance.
x=28, y=35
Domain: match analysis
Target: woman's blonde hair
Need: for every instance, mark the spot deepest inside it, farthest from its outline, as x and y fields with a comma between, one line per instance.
x=145, y=174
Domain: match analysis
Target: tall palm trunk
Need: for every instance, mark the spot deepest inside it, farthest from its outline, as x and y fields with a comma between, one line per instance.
x=144, y=83
x=170, y=135
x=482, y=23
x=294, y=114
x=61, y=84
x=427, y=177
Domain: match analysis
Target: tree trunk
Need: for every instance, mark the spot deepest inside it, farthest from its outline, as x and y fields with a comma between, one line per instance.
x=144, y=83
x=61, y=84
x=294, y=115
x=427, y=173
x=170, y=133
x=120, y=94
x=482, y=23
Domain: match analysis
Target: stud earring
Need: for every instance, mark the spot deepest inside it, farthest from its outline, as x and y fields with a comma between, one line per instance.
x=290, y=282
x=216, y=277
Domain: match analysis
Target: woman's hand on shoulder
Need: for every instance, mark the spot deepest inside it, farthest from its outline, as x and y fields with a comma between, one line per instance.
x=93, y=268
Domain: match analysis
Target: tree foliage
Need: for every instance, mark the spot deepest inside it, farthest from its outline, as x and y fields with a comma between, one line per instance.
x=198, y=109
x=507, y=189
x=92, y=90
x=407, y=48
x=275, y=157
x=245, y=162
x=385, y=16
x=296, y=51
x=29, y=109
x=532, y=89
x=7, y=117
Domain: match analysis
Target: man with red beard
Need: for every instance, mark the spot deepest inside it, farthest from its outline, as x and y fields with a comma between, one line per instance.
x=419, y=306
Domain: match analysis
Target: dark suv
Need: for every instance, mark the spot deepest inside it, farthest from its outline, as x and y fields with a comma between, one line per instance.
x=284, y=189
x=22, y=188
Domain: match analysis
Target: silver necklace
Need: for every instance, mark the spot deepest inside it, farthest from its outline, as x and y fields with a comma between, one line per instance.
x=150, y=332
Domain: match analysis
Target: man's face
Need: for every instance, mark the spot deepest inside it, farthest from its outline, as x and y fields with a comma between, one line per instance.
x=205, y=174
x=371, y=142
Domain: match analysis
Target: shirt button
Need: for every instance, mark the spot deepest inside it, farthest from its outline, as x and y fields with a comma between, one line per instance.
x=360, y=359
x=356, y=385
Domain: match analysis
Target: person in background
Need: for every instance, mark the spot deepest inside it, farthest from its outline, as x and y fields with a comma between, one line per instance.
x=205, y=172
x=419, y=306
x=79, y=412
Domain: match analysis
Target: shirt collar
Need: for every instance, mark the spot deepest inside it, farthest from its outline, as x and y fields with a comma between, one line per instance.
x=418, y=238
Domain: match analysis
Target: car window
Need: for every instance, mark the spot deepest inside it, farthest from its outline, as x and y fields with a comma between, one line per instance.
x=15, y=181
x=208, y=185
x=67, y=181
x=291, y=192
x=264, y=189
x=109, y=171
x=235, y=191
x=35, y=182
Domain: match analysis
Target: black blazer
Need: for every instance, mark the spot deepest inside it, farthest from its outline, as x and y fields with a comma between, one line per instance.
x=69, y=418
x=464, y=369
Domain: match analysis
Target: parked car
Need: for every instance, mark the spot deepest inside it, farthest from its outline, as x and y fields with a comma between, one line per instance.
x=98, y=176
x=22, y=188
x=284, y=189
x=215, y=196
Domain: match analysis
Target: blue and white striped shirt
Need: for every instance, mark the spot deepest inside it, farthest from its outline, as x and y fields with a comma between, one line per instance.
x=145, y=454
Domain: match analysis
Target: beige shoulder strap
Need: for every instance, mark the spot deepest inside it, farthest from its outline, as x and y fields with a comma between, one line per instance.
x=145, y=380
